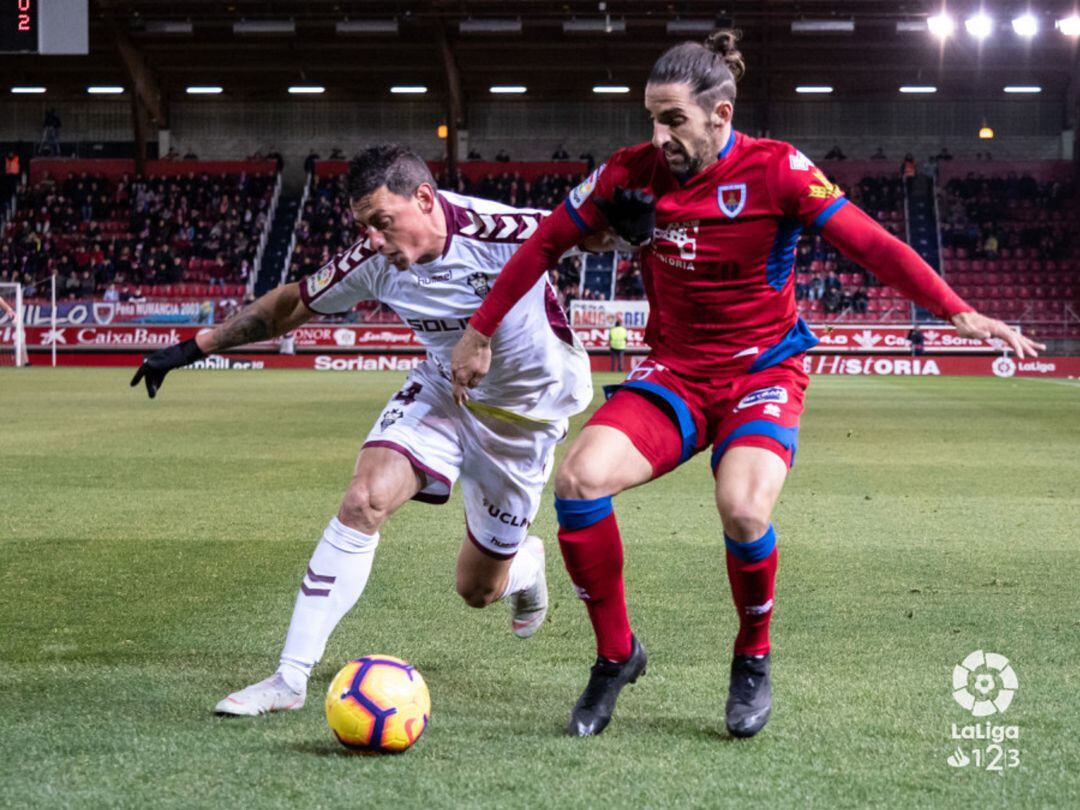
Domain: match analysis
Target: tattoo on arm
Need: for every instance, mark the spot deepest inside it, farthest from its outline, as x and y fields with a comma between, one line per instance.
x=249, y=326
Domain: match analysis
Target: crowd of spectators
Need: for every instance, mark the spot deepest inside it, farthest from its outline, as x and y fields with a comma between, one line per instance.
x=983, y=217
x=96, y=233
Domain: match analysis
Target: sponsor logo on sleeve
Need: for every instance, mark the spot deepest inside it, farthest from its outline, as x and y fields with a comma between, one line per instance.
x=824, y=189
x=319, y=281
x=799, y=162
x=731, y=198
x=776, y=393
x=587, y=186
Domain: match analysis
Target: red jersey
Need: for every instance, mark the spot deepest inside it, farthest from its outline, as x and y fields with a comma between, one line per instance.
x=719, y=272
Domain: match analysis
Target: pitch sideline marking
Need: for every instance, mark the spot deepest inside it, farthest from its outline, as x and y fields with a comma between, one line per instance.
x=1066, y=383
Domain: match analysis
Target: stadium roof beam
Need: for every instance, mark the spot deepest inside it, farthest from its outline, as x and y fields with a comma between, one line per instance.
x=147, y=109
x=142, y=78
x=455, y=97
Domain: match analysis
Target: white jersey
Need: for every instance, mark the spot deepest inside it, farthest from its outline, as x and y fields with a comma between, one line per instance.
x=538, y=370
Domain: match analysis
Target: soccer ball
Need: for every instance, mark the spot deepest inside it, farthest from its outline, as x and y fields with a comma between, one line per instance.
x=378, y=704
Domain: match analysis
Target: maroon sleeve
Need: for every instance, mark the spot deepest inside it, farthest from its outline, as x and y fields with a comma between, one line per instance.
x=556, y=235
x=869, y=245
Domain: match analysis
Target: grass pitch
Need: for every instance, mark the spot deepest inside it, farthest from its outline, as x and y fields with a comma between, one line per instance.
x=151, y=552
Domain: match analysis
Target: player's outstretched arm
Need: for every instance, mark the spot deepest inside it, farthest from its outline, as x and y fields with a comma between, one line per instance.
x=279, y=311
x=980, y=327
x=869, y=245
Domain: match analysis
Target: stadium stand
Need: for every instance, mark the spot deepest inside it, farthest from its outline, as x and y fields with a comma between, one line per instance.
x=197, y=233
x=191, y=233
x=1016, y=261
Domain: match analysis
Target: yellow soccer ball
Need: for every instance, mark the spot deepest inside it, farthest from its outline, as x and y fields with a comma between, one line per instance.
x=378, y=704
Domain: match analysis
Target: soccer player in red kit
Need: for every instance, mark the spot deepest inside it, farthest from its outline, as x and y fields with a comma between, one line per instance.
x=725, y=371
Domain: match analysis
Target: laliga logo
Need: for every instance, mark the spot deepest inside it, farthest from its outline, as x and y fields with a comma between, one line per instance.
x=976, y=682
x=1004, y=366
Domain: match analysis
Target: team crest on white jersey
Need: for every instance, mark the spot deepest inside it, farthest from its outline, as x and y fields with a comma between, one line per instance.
x=390, y=417
x=731, y=199
x=480, y=284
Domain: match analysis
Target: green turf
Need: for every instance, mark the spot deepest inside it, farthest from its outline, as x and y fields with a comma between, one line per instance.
x=150, y=552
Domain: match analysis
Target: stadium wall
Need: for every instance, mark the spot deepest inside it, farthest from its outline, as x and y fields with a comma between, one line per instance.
x=224, y=129
x=1067, y=368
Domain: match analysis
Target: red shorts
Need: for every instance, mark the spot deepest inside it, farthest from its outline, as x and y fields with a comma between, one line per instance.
x=670, y=418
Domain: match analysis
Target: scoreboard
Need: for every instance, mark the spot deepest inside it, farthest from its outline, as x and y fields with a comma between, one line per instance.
x=19, y=26
x=44, y=26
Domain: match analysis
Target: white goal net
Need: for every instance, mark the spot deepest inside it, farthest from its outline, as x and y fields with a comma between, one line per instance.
x=12, y=331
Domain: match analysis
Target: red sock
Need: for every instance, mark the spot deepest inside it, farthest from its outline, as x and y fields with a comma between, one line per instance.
x=753, y=586
x=594, y=559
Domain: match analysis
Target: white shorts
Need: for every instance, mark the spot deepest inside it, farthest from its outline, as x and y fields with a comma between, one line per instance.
x=503, y=462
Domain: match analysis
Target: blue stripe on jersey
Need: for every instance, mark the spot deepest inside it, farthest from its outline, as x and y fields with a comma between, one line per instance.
x=787, y=436
x=574, y=215
x=754, y=551
x=826, y=215
x=729, y=145
x=798, y=339
x=574, y=513
x=678, y=409
x=781, y=259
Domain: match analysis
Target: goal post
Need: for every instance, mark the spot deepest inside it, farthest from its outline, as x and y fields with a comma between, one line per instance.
x=12, y=330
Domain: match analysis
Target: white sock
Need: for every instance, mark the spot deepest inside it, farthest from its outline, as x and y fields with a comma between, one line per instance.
x=334, y=580
x=523, y=572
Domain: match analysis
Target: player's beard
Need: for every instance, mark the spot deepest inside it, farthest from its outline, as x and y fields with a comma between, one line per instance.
x=689, y=161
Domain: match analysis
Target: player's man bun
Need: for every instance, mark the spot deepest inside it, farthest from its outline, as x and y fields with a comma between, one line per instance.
x=724, y=41
x=392, y=165
x=710, y=69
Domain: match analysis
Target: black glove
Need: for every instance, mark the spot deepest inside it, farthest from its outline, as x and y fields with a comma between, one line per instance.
x=156, y=366
x=631, y=213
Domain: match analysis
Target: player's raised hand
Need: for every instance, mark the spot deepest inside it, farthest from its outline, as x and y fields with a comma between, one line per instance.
x=980, y=327
x=631, y=212
x=156, y=366
x=469, y=362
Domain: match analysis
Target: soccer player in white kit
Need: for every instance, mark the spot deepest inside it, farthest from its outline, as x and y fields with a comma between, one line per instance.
x=431, y=257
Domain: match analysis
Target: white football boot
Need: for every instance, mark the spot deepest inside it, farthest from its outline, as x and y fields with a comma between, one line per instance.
x=529, y=607
x=269, y=695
